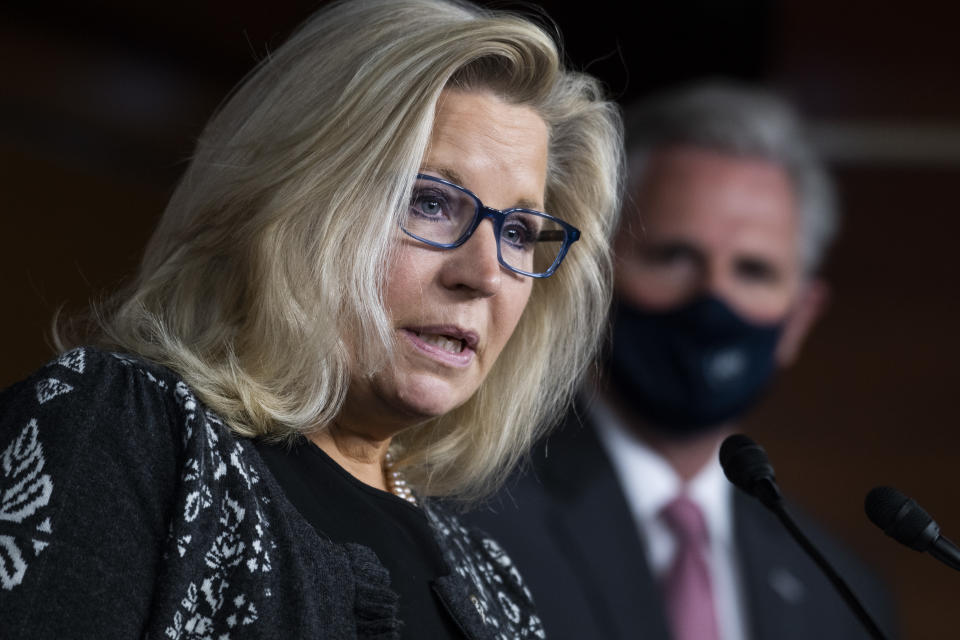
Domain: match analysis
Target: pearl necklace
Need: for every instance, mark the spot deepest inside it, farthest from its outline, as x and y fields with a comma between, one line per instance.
x=396, y=484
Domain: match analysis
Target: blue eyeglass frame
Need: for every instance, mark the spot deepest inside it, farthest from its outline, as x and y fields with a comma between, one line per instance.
x=571, y=235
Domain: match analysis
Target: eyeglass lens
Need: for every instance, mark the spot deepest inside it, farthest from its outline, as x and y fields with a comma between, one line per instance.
x=443, y=214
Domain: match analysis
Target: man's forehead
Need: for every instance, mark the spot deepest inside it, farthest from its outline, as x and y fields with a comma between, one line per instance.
x=709, y=169
x=707, y=196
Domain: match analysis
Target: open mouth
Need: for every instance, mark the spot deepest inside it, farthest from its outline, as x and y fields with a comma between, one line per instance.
x=449, y=344
x=446, y=344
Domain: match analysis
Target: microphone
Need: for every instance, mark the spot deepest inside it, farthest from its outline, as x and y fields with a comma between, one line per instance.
x=746, y=465
x=906, y=522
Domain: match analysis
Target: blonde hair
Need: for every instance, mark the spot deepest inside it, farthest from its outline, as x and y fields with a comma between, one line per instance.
x=262, y=285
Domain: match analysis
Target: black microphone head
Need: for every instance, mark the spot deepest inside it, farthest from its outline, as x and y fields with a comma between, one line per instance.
x=901, y=518
x=746, y=465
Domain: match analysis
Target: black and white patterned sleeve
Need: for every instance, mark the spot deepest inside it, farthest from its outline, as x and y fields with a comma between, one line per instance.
x=88, y=464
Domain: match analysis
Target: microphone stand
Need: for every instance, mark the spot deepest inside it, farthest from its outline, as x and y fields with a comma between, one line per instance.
x=947, y=556
x=770, y=496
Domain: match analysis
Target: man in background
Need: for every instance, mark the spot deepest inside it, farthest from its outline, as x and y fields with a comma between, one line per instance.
x=625, y=526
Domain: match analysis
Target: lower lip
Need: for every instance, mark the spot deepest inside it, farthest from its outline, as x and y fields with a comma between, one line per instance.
x=461, y=359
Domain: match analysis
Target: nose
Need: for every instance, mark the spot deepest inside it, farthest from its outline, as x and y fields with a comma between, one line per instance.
x=474, y=266
x=719, y=280
x=713, y=280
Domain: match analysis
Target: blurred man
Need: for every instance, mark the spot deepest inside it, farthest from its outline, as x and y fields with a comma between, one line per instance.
x=626, y=526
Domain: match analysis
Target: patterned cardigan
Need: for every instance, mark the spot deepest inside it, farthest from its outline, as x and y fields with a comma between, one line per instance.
x=128, y=509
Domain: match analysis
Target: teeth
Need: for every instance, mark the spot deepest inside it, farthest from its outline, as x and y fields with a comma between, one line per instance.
x=445, y=343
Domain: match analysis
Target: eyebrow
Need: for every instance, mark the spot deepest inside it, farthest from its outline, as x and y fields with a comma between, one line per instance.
x=660, y=247
x=447, y=174
x=452, y=176
x=742, y=258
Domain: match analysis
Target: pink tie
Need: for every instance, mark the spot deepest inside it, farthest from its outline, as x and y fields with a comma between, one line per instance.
x=687, y=583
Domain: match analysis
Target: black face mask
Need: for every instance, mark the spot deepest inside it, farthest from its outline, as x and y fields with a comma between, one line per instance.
x=692, y=368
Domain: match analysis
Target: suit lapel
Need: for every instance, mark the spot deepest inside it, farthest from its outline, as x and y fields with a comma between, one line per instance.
x=774, y=574
x=591, y=522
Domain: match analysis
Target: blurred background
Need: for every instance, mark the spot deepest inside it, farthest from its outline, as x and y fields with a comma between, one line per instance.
x=100, y=103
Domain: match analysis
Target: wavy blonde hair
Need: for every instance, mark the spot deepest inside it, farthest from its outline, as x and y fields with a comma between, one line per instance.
x=267, y=262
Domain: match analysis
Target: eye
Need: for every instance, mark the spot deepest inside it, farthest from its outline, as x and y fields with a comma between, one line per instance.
x=518, y=232
x=757, y=271
x=670, y=255
x=429, y=203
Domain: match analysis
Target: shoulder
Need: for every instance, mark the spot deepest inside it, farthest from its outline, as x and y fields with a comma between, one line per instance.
x=89, y=413
x=92, y=389
x=758, y=529
x=95, y=424
x=773, y=561
x=112, y=467
x=568, y=466
x=107, y=433
x=95, y=365
x=89, y=459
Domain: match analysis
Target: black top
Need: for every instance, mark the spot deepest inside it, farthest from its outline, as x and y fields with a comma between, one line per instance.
x=344, y=509
x=128, y=509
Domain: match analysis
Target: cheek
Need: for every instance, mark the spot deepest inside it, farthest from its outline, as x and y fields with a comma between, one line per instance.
x=764, y=304
x=405, y=282
x=641, y=284
x=511, y=309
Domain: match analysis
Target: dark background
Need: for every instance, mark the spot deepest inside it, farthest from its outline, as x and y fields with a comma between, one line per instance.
x=100, y=103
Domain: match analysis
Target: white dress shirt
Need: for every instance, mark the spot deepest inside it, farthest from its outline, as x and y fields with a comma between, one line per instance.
x=649, y=483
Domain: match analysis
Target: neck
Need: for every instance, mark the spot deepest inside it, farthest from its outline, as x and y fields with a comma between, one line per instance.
x=361, y=455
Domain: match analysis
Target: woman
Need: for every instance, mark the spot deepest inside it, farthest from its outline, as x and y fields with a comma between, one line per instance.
x=328, y=302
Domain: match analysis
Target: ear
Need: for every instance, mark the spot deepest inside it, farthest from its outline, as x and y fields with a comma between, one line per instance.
x=810, y=305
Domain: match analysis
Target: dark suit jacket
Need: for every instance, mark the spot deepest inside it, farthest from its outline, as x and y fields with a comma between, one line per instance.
x=568, y=528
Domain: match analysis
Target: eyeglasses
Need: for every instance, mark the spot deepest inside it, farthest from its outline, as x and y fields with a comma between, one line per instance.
x=445, y=215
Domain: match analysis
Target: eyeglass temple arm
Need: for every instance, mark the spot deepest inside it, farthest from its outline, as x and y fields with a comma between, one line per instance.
x=555, y=235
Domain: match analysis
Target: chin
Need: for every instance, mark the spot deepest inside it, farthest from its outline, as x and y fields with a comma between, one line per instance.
x=428, y=397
